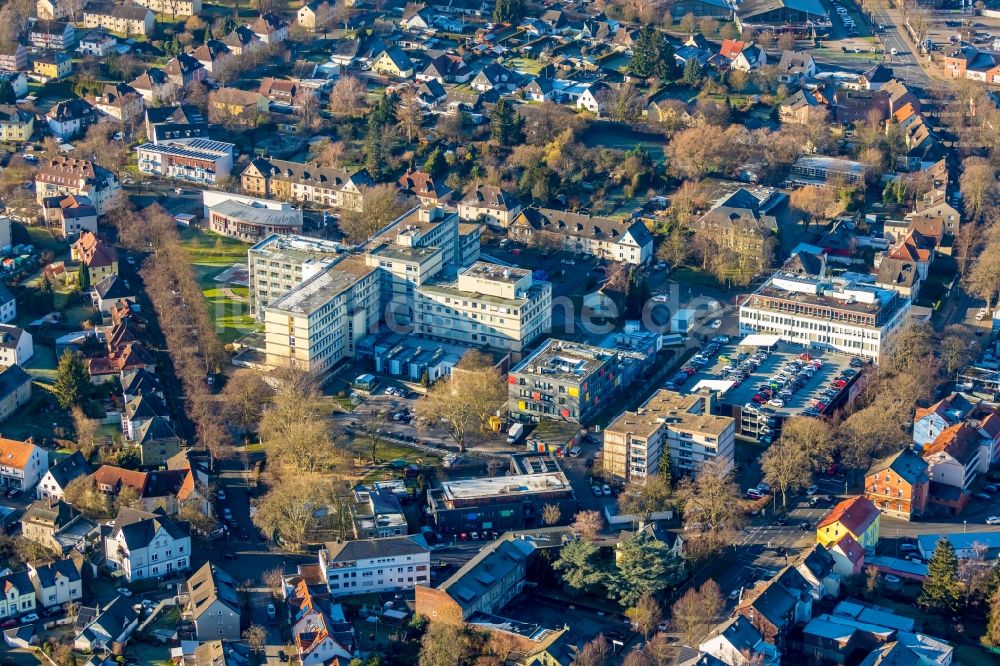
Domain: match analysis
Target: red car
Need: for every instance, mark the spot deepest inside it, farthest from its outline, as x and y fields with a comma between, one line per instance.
x=759, y=399
x=820, y=406
x=7, y=624
x=840, y=383
x=804, y=357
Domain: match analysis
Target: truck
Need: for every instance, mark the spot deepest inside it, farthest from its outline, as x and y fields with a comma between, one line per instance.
x=515, y=433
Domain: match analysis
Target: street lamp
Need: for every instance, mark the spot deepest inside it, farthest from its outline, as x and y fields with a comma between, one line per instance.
x=965, y=526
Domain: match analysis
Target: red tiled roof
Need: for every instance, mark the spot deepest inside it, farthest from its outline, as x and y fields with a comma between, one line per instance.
x=958, y=441
x=856, y=514
x=851, y=548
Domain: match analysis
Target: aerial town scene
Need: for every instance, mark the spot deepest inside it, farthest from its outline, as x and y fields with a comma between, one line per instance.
x=500, y=332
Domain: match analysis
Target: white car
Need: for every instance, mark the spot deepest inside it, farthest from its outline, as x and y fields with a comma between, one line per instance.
x=893, y=52
x=597, y=491
x=776, y=402
x=124, y=591
x=981, y=315
x=716, y=324
x=889, y=578
x=29, y=618
x=735, y=594
x=993, y=520
x=606, y=489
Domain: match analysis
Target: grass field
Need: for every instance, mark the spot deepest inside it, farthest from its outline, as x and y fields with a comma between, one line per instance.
x=607, y=135
x=210, y=254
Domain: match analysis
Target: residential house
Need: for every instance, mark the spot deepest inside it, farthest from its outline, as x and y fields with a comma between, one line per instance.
x=126, y=19
x=375, y=565
x=953, y=461
x=626, y=241
x=144, y=544
x=14, y=57
x=22, y=464
x=916, y=249
x=875, y=77
x=153, y=85
x=212, y=55
x=856, y=516
x=934, y=206
x=816, y=566
x=119, y=101
x=52, y=65
x=446, y=68
x=156, y=441
x=110, y=291
x=594, y=98
x=484, y=584
x=929, y=422
x=969, y=62
x=749, y=59
x=854, y=106
x=17, y=80
x=70, y=119
x=899, y=485
x=57, y=526
x=57, y=582
x=280, y=91
x=56, y=478
x=98, y=43
x=394, y=63
x=242, y=41
x=217, y=653
x=495, y=77
x=424, y=187
x=15, y=390
x=490, y=204
x=16, y=345
x=270, y=28
x=540, y=89
x=295, y=181
x=740, y=221
x=175, y=8
x=212, y=604
x=321, y=633
x=18, y=597
x=198, y=161
x=108, y=627
x=74, y=214
x=16, y=124
x=417, y=16
x=739, y=643
x=239, y=104
x=55, y=35
x=184, y=70
x=774, y=607
x=67, y=175
x=795, y=67
x=848, y=556
x=315, y=15
x=100, y=257
x=900, y=275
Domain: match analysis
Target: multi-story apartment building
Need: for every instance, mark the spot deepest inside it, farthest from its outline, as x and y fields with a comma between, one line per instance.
x=71, y=118
x=174, y=8
x=22, y=464
x=16, y=125
x=392, y=564
x=571, y=381
x=66, y=175
x=500, y=503
x=56, y=35
x=898, y=485
x=52, y=65
x=125, y=19
x=828, y=171
x=681, y=424
x=489, y=305
x=484, y=584
x=826, y=314
x=626, y=241
x=250, y=221
x=279, y=263
x=58, y=10
x=212, y=604
x=144, y=545
x=295, y=181
x=201, y=161
x=319, y=323
x=16, y=345
x=14, y=57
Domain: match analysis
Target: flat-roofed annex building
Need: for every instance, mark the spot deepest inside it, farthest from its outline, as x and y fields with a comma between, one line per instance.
x=682, y=424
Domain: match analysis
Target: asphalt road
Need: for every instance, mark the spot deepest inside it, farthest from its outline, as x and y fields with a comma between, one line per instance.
x=904, y=64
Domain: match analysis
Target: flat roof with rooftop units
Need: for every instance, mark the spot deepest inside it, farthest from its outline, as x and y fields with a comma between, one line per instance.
x=488, y=271
x=568, y=360
x=292, y=247
x=320, y=289
x=521, y=484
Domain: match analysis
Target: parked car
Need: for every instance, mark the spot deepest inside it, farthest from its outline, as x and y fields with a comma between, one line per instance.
x=983, y=496
x=993, y=520
x=889, y=578
x=124, y=591
x=29, y=618
x=596, y=490
x=908, y=548
x=754, y=494
x=811, y=490
x=606, y=489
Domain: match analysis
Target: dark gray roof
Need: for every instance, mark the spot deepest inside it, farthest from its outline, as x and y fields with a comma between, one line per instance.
x=139, y=527
x=208, y=585
x=47, y=574
x=365, y=549
x=12, y=379
x=113, y=286
x=140, y=381
x=69, y=468
x=145, y=407
x=155, y=428
x=489, y=567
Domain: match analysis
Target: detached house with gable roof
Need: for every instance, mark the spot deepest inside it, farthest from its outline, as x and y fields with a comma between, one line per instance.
x=423, y=186
x=856, y=516
x=929, y=422
x=490, y=204
x=627, y=241
x=22, y=464
x=953, y=461
x=776, y=606
x=57, y=582
x=101, y=259
x=16, y=345
x=320, y=632
x=212, y=604
x=109, y=627
x=144, y=544
x=740, y=643
x=17, y=595
x=393, y=62
x=55, y=480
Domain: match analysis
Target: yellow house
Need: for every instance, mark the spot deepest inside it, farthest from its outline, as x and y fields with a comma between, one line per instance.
x=15, y=124
x=53, y=65
x=393, y=62
x=237, y=103
x=856, y=516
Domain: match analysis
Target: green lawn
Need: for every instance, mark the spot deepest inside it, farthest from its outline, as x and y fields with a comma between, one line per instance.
x=210, y=254
x=42, y=364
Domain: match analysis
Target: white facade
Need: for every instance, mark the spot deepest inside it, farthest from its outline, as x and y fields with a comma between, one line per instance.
x=945, y=468
x=17, y=595
x=16, y=346
x=162, y=555
x=199, y=161
x=55, y=589
x=22, y=464
x=381, y=567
